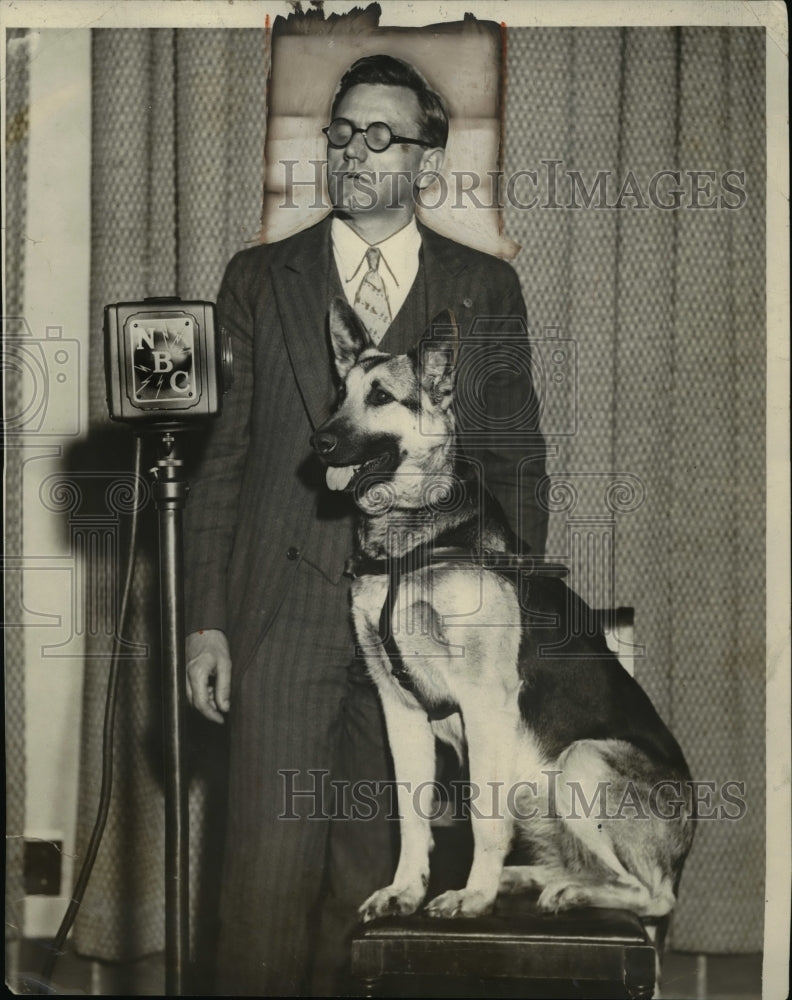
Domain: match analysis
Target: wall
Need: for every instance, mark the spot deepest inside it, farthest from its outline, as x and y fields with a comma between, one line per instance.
x=57, y=258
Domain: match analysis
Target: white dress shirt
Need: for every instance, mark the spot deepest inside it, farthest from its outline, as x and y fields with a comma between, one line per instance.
x=398, y=261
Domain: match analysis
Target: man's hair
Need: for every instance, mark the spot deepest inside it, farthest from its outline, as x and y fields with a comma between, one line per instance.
x=392, y=72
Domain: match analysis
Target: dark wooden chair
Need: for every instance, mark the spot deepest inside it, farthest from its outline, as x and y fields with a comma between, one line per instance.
x=515, y=950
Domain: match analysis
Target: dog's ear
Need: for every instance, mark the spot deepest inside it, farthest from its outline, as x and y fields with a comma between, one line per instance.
x=437, y=358
x=348, y=336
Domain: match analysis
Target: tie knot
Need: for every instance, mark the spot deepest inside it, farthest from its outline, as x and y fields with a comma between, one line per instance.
x=373, y=258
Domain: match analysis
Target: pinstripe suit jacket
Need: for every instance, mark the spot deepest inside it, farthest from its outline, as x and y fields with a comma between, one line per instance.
x=258, y=501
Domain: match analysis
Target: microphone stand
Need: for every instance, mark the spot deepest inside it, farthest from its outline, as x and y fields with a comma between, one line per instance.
x=170, y=496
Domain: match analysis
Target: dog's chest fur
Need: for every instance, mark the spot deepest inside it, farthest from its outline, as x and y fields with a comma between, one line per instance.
x=438, y=609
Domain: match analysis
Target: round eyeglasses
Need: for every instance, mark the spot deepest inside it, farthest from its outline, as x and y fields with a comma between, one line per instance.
x=377, y=136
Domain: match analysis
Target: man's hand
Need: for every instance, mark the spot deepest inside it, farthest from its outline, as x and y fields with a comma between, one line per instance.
x=209, y=673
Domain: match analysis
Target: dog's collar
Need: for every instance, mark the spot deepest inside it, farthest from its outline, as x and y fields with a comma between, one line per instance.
x=426, y=555
x=365, y=565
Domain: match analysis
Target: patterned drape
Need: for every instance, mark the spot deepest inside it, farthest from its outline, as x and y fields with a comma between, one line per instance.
x=658, y=495
x=657, y=461
x=16, y=143
x=178, y=138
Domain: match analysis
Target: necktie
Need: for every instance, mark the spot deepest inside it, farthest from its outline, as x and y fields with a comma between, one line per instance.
x=371, y=300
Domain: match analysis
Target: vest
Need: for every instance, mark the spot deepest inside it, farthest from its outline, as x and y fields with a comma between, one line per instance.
x=411, y=321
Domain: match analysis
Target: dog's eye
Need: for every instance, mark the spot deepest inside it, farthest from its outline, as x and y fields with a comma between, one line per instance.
x=379, y=397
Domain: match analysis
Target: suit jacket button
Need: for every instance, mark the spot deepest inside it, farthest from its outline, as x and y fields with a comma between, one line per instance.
x=292, y=553
x=467, y=303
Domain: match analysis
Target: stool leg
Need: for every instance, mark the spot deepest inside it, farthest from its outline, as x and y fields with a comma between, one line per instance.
x=639, y=969
x=370, y=986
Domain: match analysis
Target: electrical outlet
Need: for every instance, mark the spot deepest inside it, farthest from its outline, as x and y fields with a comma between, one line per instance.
x=43, y=865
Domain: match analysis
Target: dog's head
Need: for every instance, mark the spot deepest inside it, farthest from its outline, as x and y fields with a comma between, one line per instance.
x=393, y=423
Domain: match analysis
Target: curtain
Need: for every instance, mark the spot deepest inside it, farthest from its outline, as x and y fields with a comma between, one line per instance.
x=658, y=467
x=653, y=319
x=16, y=142
x=178, y=135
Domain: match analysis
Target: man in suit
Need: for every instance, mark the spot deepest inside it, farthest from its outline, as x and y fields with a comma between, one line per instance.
x=270, y=644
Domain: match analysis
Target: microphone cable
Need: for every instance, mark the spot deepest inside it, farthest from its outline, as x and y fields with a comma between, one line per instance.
x=111, y=698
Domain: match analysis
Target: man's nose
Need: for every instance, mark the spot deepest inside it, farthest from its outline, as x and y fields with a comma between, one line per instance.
x=356, y=148
x=324, y=442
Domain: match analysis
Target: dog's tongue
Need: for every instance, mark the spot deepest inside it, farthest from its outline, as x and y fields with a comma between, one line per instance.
x=339, y=476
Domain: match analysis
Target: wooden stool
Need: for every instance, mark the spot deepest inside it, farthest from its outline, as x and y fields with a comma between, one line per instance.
x=515, y=951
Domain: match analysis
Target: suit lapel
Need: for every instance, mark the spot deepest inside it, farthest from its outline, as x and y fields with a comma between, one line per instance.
x=445, y=274
x=300, y=271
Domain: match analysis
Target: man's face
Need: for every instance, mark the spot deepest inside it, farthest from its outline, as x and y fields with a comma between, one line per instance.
x=375, y=184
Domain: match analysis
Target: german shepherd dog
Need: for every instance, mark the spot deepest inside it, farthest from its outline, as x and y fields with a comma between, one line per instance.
x=566, y=752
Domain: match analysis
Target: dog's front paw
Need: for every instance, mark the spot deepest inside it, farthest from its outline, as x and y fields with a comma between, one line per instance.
x=392, y=901
x=460, y=903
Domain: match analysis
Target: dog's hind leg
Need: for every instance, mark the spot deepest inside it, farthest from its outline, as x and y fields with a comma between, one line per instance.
x=630, y=894
x=618, y=850
x=516, y=879
x=563, y=890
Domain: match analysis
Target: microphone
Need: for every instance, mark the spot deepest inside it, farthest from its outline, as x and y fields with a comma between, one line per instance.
x=167, y=367
x=166, y=364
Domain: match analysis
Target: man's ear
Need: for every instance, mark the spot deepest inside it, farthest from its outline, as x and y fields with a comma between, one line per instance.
x=431, y=164
x=348, y=336
x=437, y=356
